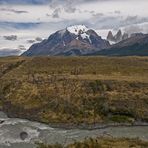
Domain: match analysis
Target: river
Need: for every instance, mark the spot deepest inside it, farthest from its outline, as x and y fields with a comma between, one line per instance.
x=10, y=129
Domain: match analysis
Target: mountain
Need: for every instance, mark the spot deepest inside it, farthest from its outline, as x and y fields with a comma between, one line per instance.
x=74, y=40
x=137, y=34
x=125, y=36
x=110, y=36
x=117, y=37
x=136, y=45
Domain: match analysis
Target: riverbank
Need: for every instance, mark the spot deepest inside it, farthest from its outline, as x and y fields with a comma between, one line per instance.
x=95, y=126
x=85, y=126
x=11, y=129
x=102, y=142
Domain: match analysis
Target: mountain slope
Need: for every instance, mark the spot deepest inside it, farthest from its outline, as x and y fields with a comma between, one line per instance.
x=74, y=40
x=136, y=45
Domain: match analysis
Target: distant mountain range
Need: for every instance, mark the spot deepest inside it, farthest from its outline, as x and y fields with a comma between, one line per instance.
x=79, y=40
x=74, y=40
x=136, y=45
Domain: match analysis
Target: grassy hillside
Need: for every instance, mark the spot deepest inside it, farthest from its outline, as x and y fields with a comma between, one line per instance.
x=75, y=89
x=103, y=143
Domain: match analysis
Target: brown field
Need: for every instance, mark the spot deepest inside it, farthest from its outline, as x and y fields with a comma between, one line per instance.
x=75, y=89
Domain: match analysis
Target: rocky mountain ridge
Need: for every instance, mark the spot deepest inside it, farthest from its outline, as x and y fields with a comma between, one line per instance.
x=74, y=40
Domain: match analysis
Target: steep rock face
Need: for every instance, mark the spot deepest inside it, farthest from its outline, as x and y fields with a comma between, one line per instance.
x=75, y=39
x=110, y=36
x=117, y=37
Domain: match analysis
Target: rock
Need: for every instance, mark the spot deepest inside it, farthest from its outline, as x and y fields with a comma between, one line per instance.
x=118, y=36
x=2, y=121
x=125, y=36
x=110, y=36
x=23, y=135
x=3, y=115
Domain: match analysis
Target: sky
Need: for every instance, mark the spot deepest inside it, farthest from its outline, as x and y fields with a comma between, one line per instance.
x=25, y=22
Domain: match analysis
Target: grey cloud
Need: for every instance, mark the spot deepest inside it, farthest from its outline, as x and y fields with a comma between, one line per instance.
x=92, y=12
x=130, y=19
x=38, y=39
x=18, y=2
x=134, y=20
x=39, y=2
x=10, y=38
x=48, y=15
x=55, y=3
x=21, y=47
x=133, y=29
x=30, y=41
x=98, y=14
x=56, y=13
x=70, y=9
x=102, y=21
x=68, y=6
x=13, y=10
x=117, y=12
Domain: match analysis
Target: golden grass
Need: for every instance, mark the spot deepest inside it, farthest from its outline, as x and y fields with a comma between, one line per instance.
x=102, y=143
x=70, y=89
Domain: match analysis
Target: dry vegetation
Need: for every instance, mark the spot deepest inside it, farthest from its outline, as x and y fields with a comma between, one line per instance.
x=102, y=143
x=75, y=89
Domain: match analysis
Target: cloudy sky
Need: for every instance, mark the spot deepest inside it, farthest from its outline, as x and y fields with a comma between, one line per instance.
x=24, y=22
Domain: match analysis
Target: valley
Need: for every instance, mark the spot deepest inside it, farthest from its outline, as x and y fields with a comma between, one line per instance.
x=69, y=99
x=73, y=74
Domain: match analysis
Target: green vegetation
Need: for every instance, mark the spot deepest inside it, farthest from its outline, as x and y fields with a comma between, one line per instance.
x=102, y=143
x=75, y=90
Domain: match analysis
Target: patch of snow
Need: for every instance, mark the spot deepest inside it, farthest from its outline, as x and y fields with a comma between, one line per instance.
x=86, y=36
x=112, y=42
x=64, y=43
x=62, y=32
x=77, y=29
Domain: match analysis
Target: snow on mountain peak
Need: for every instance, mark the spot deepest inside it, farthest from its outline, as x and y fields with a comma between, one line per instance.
x=86, y=36
x=77, y=29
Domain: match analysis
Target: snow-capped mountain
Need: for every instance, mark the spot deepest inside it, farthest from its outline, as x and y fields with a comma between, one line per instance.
x=74, y=40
